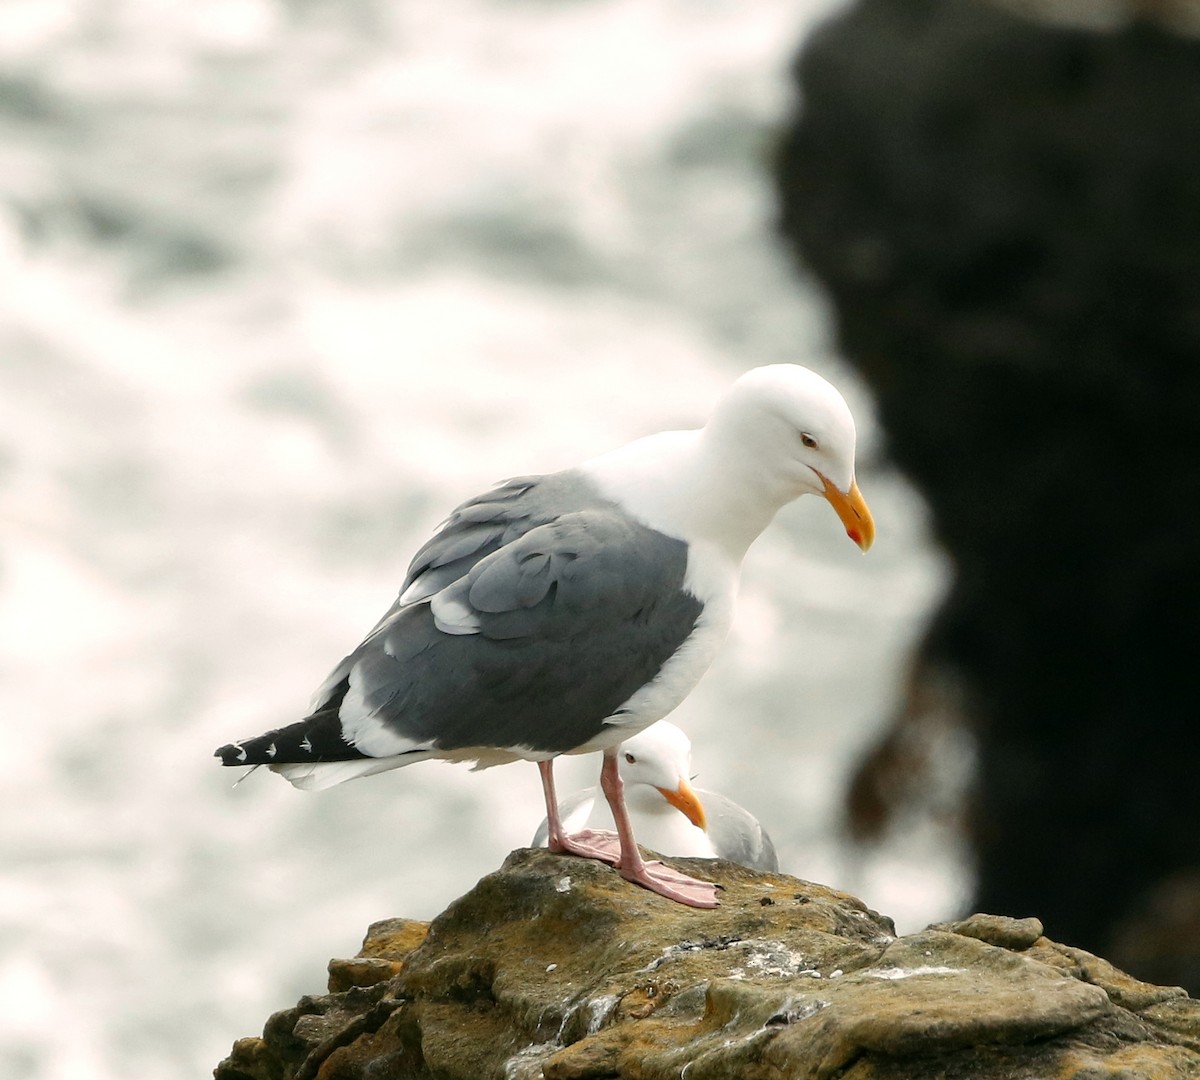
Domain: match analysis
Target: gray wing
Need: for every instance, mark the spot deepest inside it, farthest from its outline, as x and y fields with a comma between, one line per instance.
x=474, y=530
x=486, y=523
x=736, y=834
x=542, y=625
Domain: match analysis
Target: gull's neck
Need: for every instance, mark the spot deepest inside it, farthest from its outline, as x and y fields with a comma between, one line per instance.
x=682, y=484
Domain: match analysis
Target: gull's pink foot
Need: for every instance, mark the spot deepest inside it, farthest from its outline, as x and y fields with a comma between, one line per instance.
x=591, y=844
x=672, y=884
x=620, y=848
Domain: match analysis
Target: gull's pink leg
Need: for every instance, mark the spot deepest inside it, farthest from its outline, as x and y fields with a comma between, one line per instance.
x=651, y=875
x=589, y=844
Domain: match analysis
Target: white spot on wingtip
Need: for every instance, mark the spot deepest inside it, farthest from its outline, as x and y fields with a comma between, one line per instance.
x=306, y=746
x=271, y=751
x=241, y=752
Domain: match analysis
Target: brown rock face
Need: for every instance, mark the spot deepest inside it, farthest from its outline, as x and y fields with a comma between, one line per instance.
x=554, y=967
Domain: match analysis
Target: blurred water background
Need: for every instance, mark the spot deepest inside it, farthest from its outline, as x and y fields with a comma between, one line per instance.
x=281, y=283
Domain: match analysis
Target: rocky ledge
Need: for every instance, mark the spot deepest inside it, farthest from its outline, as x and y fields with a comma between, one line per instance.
x=554, y=967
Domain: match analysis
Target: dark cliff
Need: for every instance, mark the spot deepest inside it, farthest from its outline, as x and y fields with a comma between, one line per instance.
x=1006, y=215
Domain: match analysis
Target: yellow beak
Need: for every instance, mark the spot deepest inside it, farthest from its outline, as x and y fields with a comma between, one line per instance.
x=687, y=802
x=852, y=508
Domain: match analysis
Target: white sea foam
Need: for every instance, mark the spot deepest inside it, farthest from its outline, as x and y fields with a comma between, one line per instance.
x=307, y=287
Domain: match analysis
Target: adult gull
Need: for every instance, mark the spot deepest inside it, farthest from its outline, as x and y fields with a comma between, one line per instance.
x=563, y=613
x=668, y=814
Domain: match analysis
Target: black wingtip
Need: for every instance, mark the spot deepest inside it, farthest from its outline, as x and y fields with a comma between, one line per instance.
x=230, y=754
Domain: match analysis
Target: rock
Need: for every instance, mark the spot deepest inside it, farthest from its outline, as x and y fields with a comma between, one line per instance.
x=554, y=967
x=1006, y=214
x=382, y=956
x=1015, y=934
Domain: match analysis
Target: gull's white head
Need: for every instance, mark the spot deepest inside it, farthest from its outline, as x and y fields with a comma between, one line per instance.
x=661, y=757
x=788, y=432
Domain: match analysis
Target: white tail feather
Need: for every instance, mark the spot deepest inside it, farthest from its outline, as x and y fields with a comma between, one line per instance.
x=318, y=775
x=245, y=774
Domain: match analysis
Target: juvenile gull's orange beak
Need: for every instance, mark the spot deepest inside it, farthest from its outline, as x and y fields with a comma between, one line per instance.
x=687, y=802
x=851, y=507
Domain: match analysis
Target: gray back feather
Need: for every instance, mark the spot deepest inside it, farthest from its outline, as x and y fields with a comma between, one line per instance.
x=574, y=606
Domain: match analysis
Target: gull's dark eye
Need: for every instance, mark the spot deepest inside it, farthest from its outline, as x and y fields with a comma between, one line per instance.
x=631, y=759
x=808, y=440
